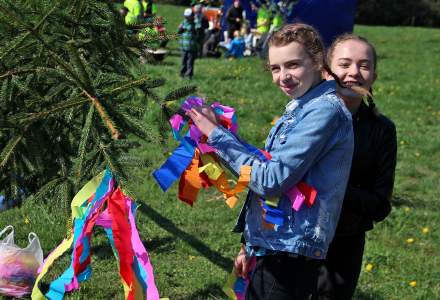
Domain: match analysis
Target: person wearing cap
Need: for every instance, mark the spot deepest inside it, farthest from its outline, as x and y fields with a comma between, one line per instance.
x=188, y=44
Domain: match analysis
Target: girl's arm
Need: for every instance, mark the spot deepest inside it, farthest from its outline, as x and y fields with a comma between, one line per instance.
x=304, y=144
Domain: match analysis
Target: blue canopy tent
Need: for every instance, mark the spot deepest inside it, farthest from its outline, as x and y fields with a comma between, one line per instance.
x=330, y=17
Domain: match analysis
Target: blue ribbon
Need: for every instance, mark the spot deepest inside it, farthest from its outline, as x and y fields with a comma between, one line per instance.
x=273, y=215
x=255, y=151
x=176, y=164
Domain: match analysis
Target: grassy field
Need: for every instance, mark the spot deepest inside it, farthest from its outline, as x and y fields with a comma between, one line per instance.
x=192, y=248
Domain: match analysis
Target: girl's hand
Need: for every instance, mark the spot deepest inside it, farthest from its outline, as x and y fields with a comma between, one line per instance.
x=241, y=265
x=204, y=118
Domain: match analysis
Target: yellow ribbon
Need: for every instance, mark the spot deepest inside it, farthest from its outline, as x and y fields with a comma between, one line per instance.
x=210, y=167
x=272, y=202
x=85, y=193
x=63, y=247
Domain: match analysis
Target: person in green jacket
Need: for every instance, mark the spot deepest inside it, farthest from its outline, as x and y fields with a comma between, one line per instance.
x=277, y=21
x=135, y=11
x=263, y=19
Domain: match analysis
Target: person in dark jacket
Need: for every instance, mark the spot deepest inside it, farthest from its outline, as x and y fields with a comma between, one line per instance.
x=367, y=199
x=234, y=18
x=202, y=24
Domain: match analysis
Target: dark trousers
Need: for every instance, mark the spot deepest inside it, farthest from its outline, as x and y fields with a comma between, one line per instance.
x=340, y=271
x=187, y=68
x=280, y=277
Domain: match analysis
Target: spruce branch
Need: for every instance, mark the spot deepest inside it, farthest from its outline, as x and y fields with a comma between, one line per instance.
x=45, y=189
x=9, y=150
x=79, y=66
x=83, y=142
x=69, y=73
x=115, y=134
x=114, y=166
x=139, y=128
x=36, y=116
x=16, y=72
x=180, y=93
x=127, y=86
x=31, y=30
x=14, y=46
x=38, y=37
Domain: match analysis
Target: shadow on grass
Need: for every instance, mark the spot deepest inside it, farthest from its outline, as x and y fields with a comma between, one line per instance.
x=103, y=251
x=401, y=200
x=212, y=291
x=159, y=245
x=174, y=53
x=361, y=295
x=152, y=61
x=226, y=77
x=213, y=256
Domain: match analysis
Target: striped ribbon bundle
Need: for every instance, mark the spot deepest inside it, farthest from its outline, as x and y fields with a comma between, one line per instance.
x=101, y=203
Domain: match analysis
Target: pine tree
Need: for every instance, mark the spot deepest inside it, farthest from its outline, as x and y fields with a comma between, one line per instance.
x=67, y=90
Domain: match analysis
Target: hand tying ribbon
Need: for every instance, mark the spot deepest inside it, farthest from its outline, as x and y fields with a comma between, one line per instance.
x=196, y=165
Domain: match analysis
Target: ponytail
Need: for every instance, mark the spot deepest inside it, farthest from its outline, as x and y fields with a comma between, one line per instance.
x=371, y=105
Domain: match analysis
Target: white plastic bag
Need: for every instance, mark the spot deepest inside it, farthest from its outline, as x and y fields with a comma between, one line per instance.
x=18, y=266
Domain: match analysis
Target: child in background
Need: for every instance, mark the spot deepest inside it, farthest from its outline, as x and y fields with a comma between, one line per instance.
x=188, y=44
x=248, y=40
x=236, y=47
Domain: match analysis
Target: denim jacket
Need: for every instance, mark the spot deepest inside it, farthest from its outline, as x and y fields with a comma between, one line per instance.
x=311, y=142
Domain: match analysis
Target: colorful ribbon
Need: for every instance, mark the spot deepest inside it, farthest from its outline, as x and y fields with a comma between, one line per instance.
x=196, y=165
x=236, y=286
x=118, y=221
x=194, y=161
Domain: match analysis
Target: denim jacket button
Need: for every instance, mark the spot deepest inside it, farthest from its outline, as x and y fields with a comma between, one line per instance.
x=317, y=253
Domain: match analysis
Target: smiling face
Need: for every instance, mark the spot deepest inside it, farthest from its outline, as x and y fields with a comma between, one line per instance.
x=353, y=62
x=293, y=70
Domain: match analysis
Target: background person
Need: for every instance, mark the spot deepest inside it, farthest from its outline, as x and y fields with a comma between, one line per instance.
x=237, y=47
x=188, y=44
x=149, y=9
x=367, y=200
x=134, y=11
x=202, y=24
x=234, y=18
x=210, y=47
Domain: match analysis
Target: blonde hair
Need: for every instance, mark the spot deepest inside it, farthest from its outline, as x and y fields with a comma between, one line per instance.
x=303, y=34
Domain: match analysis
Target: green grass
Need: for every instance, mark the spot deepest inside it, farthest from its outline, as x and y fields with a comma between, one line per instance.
x=192, y=248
